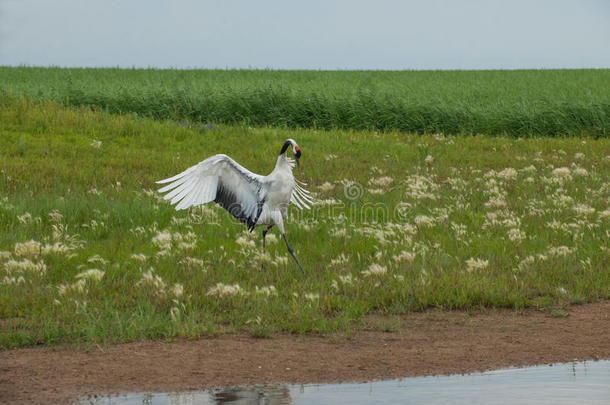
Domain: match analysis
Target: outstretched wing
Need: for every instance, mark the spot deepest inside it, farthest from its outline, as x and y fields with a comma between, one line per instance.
x=301, y=197
x=222, y=180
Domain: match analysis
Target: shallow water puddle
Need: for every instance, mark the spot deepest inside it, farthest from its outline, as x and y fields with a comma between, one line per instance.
x=566, y=383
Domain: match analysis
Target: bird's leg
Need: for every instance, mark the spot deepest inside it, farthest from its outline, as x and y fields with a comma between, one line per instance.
x=265, y=234
x=291, y=252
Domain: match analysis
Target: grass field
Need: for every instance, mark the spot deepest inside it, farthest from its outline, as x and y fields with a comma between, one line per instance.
x=516, y=103
x=90, y=253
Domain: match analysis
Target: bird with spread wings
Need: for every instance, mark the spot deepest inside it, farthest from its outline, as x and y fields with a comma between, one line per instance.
x=253, y=199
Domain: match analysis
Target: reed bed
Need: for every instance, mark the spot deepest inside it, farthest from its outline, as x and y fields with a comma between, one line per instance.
x=517, y=103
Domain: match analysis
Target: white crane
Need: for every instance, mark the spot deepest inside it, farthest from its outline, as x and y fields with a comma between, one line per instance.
x=251, y=198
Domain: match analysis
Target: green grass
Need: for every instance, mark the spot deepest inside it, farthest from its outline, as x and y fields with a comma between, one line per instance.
x=404, y=223
x=517, y=103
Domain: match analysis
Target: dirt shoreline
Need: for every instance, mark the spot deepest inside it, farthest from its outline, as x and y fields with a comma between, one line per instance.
x=435, y=342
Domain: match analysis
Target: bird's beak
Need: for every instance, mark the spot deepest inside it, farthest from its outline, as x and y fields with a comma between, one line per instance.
x=297, y=157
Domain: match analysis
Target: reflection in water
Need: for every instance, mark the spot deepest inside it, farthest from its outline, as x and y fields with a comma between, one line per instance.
x=258, y=395
x=278, y=395
x=569, y=383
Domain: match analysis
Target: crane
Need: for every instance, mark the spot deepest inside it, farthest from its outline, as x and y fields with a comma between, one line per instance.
x=253, y=199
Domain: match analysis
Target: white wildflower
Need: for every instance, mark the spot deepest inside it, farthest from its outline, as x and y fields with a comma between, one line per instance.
x=267, y=291
x=260, y=258
x=327, y=201
x=424, y=221
x=149, y=278
x=341, y=259
x=404, y=256
x=516, y=234
x=561, y=200
x=96, y=144
x=55, y=216
x=245, y=243
x=311, y=296
x=224, y=290
x=58, y=248
x=526, y=262
x=347, y=279
x=177, y=290
x=381, y=181
x=429, y=159
x=30, y=248
x=409, y=229
x=77, y=287
x=271, y=238
x=529, y=169
x=580, y=171
x=25, y=265
x=140, y=257
x=561, y=251
x=97, y=259
x=12, y=280
x=193, y=263
x=377, y=170
x=562, y=173
x=461, y=231
x=186, y=241
x=507, y=174
x=280, y=261
x=163, y=240
x=476, y=264
x=375, y=270
x=496, y=202
x=91, y=274
x=421, y=187
x=339, y=233
x=584, y=209
x=326, y=186
x=25, y=218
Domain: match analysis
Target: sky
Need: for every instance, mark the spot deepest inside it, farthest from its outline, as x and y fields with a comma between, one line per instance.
x=312, y=34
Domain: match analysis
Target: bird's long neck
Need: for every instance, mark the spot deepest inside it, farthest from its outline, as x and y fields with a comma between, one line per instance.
x=285, y=147
x=283, y=164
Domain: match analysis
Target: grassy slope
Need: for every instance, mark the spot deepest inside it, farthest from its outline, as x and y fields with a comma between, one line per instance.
x=520, y=103
x=422, y=208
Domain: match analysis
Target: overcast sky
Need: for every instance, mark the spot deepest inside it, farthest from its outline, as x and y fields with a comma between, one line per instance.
x=311, y=34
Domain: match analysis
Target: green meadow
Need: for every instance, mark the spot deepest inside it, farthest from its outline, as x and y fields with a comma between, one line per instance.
x=90, y=253
x=520, y=103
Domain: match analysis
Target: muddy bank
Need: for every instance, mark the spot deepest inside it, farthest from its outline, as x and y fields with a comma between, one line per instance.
x=435, y=342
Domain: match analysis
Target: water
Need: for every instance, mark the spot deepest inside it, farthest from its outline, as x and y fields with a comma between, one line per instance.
x=566, y=383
